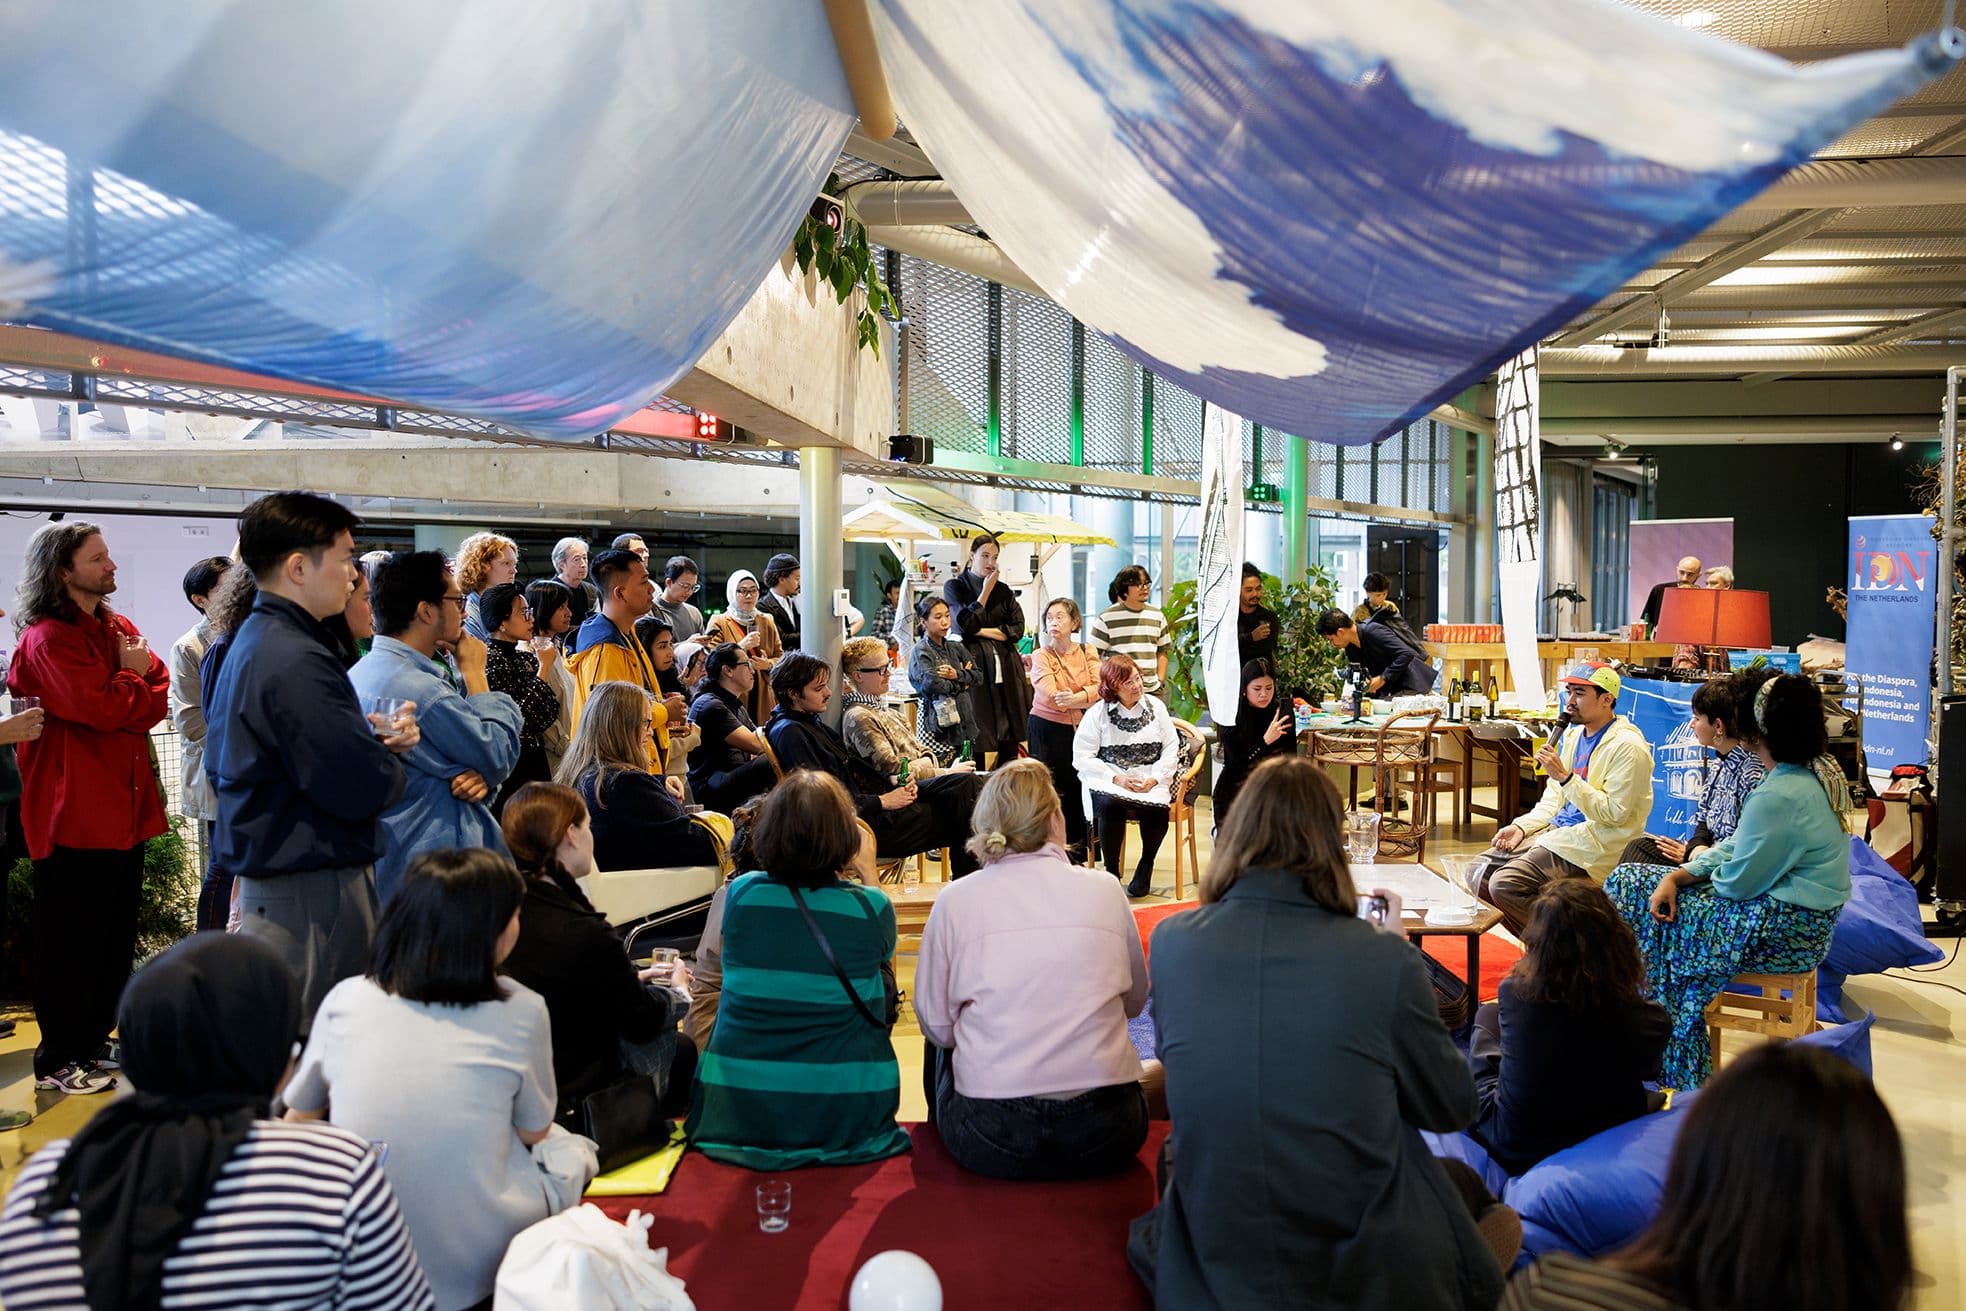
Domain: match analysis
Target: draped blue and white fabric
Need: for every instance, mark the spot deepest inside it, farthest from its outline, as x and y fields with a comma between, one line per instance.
x=1330, y=216
x=539, y=214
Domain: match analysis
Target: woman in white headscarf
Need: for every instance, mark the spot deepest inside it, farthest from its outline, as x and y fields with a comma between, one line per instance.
x=753, y=630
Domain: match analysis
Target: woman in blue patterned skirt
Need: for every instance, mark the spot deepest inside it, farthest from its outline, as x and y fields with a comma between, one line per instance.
x=1765, y=900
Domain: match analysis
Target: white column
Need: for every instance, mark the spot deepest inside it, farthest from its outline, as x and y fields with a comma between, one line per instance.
x=821, y=547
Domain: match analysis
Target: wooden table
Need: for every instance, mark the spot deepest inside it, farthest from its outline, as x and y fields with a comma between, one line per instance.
x=1421, y=889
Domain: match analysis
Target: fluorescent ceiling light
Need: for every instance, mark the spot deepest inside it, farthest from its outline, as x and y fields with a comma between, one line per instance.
x=1696, y=18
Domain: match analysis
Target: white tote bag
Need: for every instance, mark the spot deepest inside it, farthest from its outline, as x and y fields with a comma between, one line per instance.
x=581, y=1258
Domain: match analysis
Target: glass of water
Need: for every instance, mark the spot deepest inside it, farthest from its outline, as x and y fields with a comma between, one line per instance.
x=1362, y=836
x=774, y=1205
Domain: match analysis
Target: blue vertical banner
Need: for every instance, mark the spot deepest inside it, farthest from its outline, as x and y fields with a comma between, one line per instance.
x=1663, y=712
x=1893, y=607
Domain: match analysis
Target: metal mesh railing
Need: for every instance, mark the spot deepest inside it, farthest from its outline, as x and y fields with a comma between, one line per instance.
x=1112, y=406
x=948, y=355
x=1037, y=378
x=1177, y=430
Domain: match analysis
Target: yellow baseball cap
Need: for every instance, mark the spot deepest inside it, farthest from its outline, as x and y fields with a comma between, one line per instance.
x=1595, y=673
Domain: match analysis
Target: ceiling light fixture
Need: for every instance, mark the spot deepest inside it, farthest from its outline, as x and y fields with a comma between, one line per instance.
x=1897, y=442
x=1697, y=18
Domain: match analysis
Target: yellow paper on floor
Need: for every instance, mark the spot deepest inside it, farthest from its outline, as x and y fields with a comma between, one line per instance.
x=648, y=1175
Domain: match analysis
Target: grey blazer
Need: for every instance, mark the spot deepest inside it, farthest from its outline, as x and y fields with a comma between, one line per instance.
x=1304, y=1055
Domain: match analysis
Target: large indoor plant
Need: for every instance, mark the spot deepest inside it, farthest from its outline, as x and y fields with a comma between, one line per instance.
x=1307, y=665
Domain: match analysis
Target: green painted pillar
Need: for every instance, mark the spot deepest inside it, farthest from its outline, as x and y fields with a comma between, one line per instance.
x=1078, y=394
x=994, y=380
x=1146, y=421
x=1296, y=510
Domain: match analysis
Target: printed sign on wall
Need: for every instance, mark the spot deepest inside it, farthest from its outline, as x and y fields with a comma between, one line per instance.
x=1893, y=607
x=1663, y=712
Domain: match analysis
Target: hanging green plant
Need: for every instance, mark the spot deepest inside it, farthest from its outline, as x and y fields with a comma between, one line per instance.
x=843, y=260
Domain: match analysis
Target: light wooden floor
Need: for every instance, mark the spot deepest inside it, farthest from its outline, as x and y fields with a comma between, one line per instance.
x=1920, y=1070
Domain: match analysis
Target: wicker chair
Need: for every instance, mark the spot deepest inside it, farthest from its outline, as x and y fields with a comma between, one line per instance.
x=1400, y=753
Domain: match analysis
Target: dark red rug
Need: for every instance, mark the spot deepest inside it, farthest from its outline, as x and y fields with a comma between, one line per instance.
x=994, y=1244
x=1498, y=954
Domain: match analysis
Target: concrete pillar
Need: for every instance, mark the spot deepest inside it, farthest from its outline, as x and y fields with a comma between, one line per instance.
x=1262, y=540
x=1113, y=518
x=821, y=548
x=445, y=537
x=1296, y=525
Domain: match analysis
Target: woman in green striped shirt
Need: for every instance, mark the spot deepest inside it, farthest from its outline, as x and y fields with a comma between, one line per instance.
x=797, y=1070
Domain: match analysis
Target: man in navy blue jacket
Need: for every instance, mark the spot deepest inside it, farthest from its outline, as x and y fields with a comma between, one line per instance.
x=301, y=775
x=1396, y=668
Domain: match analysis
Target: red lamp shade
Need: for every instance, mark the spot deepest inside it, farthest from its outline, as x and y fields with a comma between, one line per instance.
x=1700, y=616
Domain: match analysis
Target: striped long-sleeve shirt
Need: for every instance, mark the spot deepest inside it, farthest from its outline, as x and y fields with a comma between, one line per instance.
x=301, y=1216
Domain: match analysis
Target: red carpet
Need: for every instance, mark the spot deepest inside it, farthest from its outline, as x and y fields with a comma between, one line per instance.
x=1498, y=954
x=994, y=1244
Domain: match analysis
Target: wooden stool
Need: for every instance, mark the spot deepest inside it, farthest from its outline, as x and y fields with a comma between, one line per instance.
x=1446, y=776
x=1767, y=1012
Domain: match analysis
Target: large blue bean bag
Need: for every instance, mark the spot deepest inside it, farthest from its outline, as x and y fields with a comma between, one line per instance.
x=1595, y=1197
x=1878, y=929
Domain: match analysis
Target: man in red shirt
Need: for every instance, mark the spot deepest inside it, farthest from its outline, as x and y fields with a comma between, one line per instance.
x=89, y=795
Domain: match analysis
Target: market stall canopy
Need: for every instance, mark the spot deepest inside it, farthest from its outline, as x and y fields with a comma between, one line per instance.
x=925, y=514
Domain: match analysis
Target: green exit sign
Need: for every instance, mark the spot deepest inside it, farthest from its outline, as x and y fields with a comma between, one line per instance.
x=1264, y=492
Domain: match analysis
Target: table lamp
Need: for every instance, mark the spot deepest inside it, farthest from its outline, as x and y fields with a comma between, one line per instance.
x=1722, y=617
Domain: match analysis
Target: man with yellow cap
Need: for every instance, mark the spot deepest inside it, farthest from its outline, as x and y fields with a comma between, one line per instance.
x=1598, y=798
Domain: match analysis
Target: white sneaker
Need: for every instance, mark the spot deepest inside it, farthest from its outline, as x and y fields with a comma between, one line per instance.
x=80, y=1077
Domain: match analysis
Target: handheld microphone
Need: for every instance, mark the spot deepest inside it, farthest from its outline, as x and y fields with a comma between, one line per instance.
x=1562, y=722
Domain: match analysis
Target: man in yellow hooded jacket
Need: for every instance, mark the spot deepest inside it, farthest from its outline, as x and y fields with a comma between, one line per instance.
x=605, y=648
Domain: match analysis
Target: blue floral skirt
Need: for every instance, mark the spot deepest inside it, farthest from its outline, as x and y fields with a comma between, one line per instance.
x=1711, y=940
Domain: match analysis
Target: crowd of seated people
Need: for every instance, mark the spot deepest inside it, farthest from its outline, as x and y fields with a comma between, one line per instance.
x=433, y=1047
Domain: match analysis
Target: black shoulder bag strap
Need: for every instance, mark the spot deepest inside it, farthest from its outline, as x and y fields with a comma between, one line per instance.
x=826, y=949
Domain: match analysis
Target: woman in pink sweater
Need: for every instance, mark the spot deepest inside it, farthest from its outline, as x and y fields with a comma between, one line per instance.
x=1064, y=681
x=1029, y=971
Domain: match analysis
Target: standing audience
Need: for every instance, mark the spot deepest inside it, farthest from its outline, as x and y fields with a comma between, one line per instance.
x=609, y=1023
x=519, y=666
x=302, y=776
x=638, y=817
x=1264, y=726
x=755, y=633
x=1028, y=973
x=552, y=614
x=1132, y=628
x=1064, y=681
x=1763, y=901
x=1392, y=665
x=1127, y=752
x=679, y=584
x=606, y=650
x=885, y=615
x=433, y=1054
x=483, y=560
x=1297, y=1077
x=470, y=741
x=675, y=736
x=1686, y=574
x=945, y=676
x=781, y=598
x=186, y=1193
x=1566, y=1049
x=803, y=953
x=1256, y=623
x=906, y=818
x=990, y=620
x=634, y=545
x=1786, y=1189
x=90, y=797
x=188, y=717
x=570, y=572
x=352, y=632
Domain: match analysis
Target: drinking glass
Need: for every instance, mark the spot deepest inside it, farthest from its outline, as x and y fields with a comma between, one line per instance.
x=387, y=713
x=18, y=705
x=774, y=1205
x=1362, y=836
